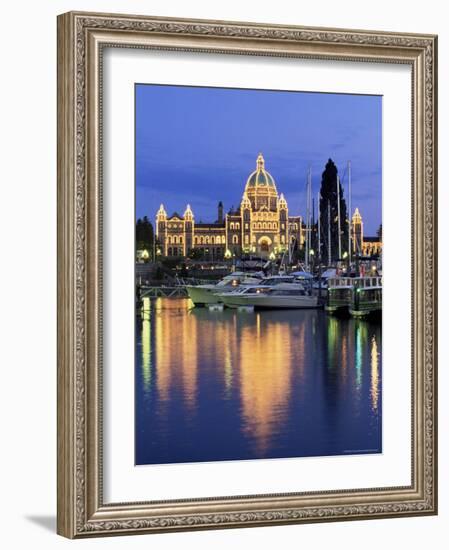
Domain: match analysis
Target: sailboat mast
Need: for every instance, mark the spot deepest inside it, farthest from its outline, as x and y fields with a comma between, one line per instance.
x=329, y=255
x=307, y=221
x=310, y=210
x=319, y=226
x=338, y=217
x=350, y=213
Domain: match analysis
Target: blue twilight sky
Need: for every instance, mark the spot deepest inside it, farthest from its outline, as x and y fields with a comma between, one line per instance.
x=199, y=145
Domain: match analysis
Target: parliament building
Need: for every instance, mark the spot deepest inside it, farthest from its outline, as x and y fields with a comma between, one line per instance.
x=261, y=224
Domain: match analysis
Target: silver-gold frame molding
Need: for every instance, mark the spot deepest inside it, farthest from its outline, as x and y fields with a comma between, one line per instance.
x=81, y=39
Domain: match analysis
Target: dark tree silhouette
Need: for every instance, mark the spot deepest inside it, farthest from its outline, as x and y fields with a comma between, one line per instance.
x=144, y=235
x=328, y=197
x=379, y=232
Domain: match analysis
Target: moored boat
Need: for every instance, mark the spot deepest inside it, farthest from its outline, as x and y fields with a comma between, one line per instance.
x=288, y=295
x=206, y=294
x=367, y=300
x=355, y=296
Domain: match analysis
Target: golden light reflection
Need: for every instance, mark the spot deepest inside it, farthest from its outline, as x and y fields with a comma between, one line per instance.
x=265, y=380
x=146, y=344
x=374, y=390
x=176, y=335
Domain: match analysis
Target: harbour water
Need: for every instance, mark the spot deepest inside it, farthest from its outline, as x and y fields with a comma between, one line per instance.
x=228, y=385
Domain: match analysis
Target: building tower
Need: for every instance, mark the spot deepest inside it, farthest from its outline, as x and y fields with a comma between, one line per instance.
x=161, y=228
x=220, y=212
x=357, y=232
x=189, y=223
x=283, y=223
x=245, y=210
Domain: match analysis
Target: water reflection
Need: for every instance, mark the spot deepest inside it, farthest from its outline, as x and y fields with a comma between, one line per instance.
x=229, y=385
x=374, y=373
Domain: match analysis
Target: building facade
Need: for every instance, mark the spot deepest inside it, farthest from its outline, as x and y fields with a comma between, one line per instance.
x=361, y=244
x=261, y=225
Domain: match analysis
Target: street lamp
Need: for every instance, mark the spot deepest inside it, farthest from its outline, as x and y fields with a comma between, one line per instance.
x=346, y=258
x=312, y=258
x=272, y=256
x=228, y=254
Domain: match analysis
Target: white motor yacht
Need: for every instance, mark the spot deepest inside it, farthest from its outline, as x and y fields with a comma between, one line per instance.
x=202, y=295
x=288, y=295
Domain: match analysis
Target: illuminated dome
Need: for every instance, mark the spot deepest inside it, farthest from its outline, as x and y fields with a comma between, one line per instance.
x=261, y=189
x=260, y=177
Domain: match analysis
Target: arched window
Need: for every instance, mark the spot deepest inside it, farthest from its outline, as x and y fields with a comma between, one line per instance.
x=212, y=240
x=264, y=225
x=169, y=252
x=207, y=240
x=169, y=241
x=231, y=225
x=201, y=240
x=237, y=225
x=235, y=239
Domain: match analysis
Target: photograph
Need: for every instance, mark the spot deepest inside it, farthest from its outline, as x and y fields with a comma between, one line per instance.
x=258, y=274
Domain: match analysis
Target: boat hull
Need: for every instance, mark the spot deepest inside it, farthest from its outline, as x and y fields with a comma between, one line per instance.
x=271, y=302
x=202, y=295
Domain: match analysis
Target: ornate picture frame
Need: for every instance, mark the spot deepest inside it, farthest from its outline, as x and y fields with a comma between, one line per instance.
x=82, y=38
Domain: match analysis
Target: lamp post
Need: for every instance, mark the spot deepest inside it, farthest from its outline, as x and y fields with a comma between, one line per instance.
x=312, y=259
x=346, y=257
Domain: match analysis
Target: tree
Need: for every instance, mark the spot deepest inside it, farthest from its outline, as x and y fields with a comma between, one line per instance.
x=379, y=232
x=144, y=235
x=329, y=201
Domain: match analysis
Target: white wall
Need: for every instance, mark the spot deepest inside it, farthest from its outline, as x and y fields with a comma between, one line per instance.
x=28, y=273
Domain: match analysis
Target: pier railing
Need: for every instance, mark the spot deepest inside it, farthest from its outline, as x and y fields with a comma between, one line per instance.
x=163, y=291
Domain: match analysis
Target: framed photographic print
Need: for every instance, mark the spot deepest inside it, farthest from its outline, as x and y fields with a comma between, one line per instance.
x=246, y=274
